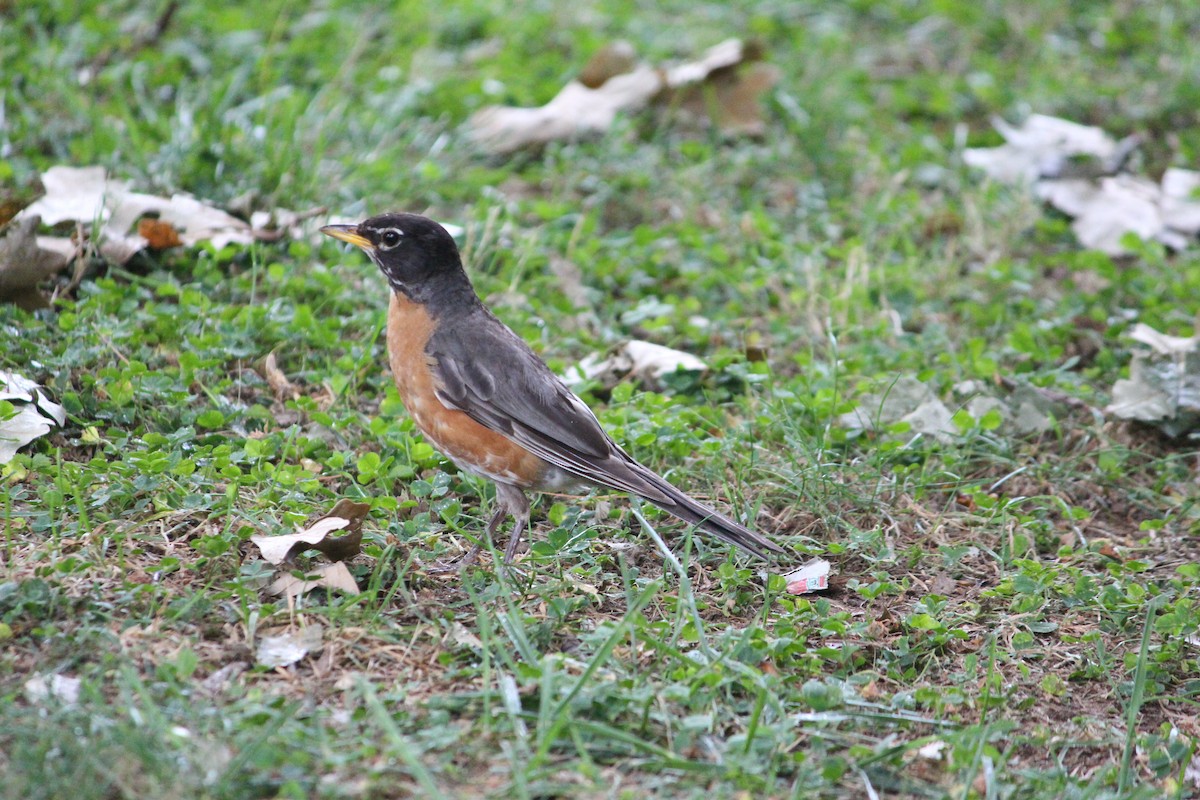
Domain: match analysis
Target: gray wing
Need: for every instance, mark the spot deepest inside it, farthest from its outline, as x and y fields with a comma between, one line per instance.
x=489, y=373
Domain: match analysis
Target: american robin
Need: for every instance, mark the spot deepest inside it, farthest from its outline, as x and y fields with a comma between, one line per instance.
x=485, y=400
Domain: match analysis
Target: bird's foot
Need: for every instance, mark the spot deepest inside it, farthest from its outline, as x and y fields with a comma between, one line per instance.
x=457, y=564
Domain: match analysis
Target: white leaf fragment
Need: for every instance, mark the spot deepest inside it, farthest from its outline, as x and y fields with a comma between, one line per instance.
x=580, y=108
x=286, y=649
x=1163, y=387
x=933, y=751
x=63, y=689
x=1105, y=208
x=36, y=414
x=645, y=361
x=275, y=549
x=109, y=209
x=322, y=576
x=1038, y=148
x=906, y=400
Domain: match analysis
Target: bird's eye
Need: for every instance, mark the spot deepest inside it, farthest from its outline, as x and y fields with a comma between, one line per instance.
x=390, y=238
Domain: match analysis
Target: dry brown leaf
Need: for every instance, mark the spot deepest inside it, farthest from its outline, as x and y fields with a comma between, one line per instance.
x=279, y=383
x=323, y=576
x=159, y=235
x=612, y=82
x=24, y=263
x=346, y=515
x=615, y=58
x=87, y=195
x=732, y=98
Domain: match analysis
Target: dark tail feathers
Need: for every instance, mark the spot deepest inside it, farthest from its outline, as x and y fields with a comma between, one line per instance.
x=708, y=520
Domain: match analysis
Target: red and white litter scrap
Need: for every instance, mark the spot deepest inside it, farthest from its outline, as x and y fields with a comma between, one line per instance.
x=811, y=577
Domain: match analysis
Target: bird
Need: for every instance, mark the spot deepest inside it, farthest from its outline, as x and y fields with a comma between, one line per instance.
x=480, y=395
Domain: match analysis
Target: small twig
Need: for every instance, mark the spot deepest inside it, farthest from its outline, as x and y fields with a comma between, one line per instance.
x=109, y=344
x=82, y=246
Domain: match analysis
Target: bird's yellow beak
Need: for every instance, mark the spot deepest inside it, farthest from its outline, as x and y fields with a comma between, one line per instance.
x=348, y=233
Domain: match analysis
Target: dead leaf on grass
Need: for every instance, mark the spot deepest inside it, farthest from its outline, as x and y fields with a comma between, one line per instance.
x=25, y=261
x=461, y=635
x=1106, y=204
x=124, y=222
x=732, y=97
x=286, y=649
x=645, y=361
x=932, y=751
x=346, y=515
x=1041, y=147
x=35, y=414
x=159, y=235
x=614, y=81
x=279, y=383
x=219, y=681
x=62, y=689
x=1163, y=387
x=906, y=400
x=323, y=576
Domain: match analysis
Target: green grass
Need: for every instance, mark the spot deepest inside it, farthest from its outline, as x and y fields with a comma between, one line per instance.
x=1029, y=601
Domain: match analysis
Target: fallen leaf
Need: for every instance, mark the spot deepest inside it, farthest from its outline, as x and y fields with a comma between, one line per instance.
x=933, y=751
x=1105, y=205
x=346, y=515
x=280, y=385
x=906, y=400
x=73, y=194
x=63, y=689
x=110, y=209
x=35, y=414
x=219, y=681
x=732, y=98
x=288, y=648
x=1181, y=200
x=25, y=261
x=323, y=576
x=611, y=60
x=614, y=81
x=1163, y=387
x=460, y=635
x=1121, y=205
x=159, y=235
x=644, y=361
x=1038, y=148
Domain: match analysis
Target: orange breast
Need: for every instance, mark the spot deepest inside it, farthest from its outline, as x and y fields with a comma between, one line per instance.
x=463, y=440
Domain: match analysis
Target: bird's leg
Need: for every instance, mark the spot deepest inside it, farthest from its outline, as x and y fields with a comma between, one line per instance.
x=458, y=564
x=471, y=555
x=517, y=504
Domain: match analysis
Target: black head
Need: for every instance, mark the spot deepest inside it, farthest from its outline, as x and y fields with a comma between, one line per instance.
x=416, y=255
